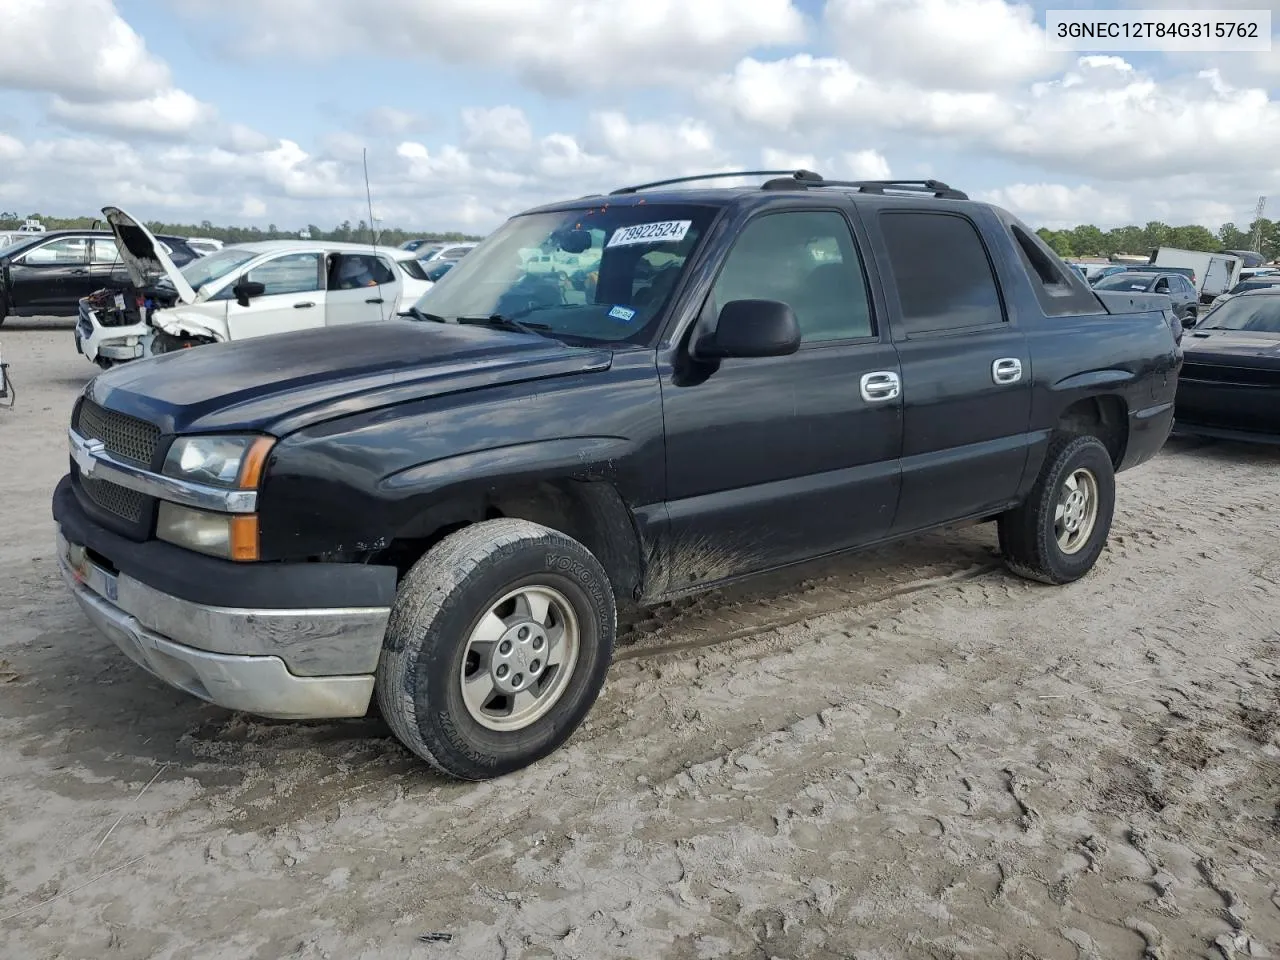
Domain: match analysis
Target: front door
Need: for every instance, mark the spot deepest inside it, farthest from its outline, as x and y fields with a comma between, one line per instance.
x=51, y=276
x=362, y=289
x=966, y=369
x=775, y=460
x=294, y=297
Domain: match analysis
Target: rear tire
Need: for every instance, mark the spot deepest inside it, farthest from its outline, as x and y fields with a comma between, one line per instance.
x=498, y=645
x=1057, y=534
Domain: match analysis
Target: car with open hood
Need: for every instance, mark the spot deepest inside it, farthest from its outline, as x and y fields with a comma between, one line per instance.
x=47, y=273
x=1229, y=385
x=239, y=292
x=444, y=512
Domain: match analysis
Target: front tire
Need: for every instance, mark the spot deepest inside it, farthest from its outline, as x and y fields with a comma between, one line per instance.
x=498, y=645
x=1058, y=533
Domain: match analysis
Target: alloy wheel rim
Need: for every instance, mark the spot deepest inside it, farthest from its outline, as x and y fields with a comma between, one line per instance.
x=1076, y=512
x=519, y=658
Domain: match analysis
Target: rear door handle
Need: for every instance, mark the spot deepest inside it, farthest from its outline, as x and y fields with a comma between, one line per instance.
x=303, y=305
x=375, y=300
x=1006, y=370
x=879, y=386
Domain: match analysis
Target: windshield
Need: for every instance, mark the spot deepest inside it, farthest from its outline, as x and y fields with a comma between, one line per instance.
x=1260, y=314
x=434, y=271
x=1123, y=281
x=599, y=274
x=215, y=266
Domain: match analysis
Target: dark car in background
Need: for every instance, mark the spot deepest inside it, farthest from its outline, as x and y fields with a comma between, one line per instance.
x=1229, y=385
x=48, y=274
x=1172, y=284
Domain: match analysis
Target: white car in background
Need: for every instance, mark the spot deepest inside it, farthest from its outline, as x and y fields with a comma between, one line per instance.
x=204, y=245
x=250, y=290
x=444, y=251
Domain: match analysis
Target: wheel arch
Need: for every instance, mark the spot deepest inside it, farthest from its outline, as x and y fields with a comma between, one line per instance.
x=1105, y=416
x=591, y=511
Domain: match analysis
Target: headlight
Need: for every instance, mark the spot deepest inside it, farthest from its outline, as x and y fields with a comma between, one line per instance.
x=226, y=535
x=219, y=461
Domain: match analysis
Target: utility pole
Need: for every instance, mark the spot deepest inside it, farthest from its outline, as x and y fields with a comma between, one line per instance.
x=1255, y=242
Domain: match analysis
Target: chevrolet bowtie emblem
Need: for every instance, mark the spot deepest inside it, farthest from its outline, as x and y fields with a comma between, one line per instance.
x=86, y=457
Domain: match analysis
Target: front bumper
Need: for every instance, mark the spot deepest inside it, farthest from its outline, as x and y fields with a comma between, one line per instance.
x=290, y=641
x=94, y=340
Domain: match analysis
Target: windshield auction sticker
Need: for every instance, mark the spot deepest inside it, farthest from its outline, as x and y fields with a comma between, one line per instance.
x=1203, y=31
x=663, y=231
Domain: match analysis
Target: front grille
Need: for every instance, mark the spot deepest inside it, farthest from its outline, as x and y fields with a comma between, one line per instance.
x=121, y=501
x=123, y=436
x=1224, y=374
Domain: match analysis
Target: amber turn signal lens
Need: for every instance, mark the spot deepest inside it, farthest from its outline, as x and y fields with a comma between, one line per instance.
x=244, y=536
x=255, y=461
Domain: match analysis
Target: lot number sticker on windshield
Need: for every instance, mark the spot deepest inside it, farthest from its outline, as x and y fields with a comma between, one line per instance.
x=664, y=231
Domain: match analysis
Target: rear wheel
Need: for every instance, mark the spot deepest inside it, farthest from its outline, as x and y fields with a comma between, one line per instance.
x=497, y=648
x=1058, y=533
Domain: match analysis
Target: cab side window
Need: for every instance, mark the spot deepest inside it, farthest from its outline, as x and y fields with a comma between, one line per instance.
x=291, y=273
x=808, y=260
x=942, y=273
x=105, y=251
x=68, y=251
x=353, y=271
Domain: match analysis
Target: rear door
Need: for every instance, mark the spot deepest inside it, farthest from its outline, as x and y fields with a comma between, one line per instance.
x=966, y=368
x=51, y=276
x=294, y=297
x=362, y=288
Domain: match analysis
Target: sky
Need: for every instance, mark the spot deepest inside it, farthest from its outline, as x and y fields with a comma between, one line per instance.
x=259, y=111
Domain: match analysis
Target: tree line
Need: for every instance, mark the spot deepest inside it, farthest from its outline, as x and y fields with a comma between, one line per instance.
x=1090, y=241
x=345, y=231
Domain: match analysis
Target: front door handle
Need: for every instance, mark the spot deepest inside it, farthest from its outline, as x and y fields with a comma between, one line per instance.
x=1006, y=370
x=79, y=273
x=374, y=300
x=303, y=305
x=879, y=386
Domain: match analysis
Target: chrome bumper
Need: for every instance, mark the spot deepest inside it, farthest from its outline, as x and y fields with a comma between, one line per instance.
x=284, y=664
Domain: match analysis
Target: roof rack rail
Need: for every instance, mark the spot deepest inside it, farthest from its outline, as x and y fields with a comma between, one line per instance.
x=806, y=176
x=935, y=187
x=804, y=179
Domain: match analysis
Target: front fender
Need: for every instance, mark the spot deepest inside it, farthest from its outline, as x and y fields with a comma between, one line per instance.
x=177, y=324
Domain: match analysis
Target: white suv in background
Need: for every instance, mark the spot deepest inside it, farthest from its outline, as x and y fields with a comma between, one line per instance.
x=250, y=290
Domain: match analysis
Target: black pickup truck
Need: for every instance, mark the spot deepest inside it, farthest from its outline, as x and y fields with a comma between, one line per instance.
x=442, y=511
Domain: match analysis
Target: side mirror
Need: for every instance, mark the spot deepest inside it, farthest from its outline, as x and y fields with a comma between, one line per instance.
x=247, y=289
x=1189, y=320
x=751, y=328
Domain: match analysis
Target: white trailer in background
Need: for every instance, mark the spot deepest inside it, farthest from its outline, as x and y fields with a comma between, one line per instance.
x=1215, y=273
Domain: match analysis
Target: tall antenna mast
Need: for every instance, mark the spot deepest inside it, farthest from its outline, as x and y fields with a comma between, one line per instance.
x=1255, y=242
x=373, y=234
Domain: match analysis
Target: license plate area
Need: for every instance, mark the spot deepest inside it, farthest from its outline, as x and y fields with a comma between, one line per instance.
x=85, y=571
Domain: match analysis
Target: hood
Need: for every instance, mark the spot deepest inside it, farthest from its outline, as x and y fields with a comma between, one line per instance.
x=287, y=381
x=1245, y=348
x=142, y=254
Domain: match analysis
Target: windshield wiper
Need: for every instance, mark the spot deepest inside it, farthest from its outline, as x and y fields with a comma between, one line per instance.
x=498, y=320
x=422, y=315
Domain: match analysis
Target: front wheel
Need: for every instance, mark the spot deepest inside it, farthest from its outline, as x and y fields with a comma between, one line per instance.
x=497, y=648
x=1057, y=534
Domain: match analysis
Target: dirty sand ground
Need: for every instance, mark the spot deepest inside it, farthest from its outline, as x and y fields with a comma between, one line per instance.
x=909, y=754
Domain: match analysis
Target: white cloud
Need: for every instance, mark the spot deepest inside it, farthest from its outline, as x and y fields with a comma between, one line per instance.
x=172, y=113
x=819, y=95
x=497, y=128
x=11, y=148
x=80, y=49
x=850, y=165
x=390, y=121
x=565, y=46
x=942, y=44
x=653, y=143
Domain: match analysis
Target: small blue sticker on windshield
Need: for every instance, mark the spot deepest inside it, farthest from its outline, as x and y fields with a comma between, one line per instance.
x=622, y=313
